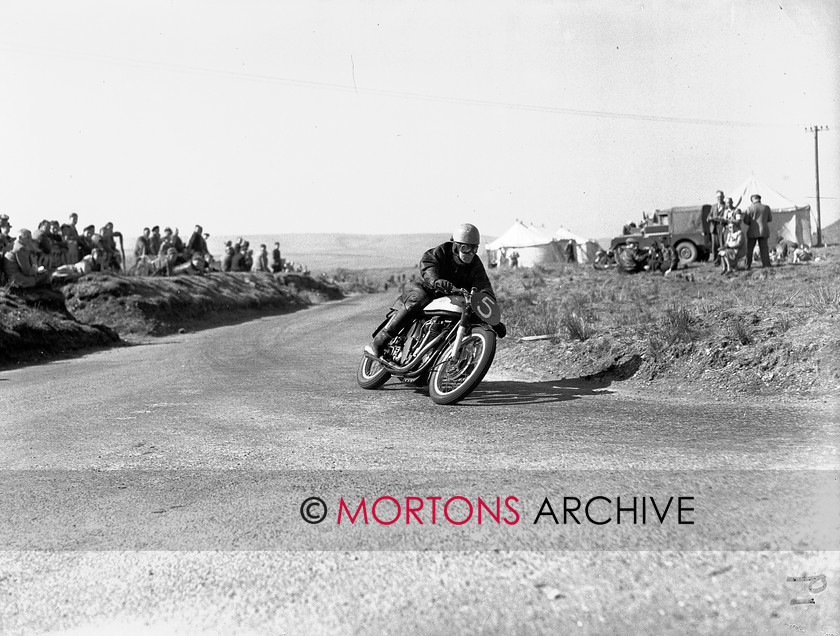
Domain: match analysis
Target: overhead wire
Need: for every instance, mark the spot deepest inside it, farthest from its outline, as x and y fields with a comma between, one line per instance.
x=261, y=77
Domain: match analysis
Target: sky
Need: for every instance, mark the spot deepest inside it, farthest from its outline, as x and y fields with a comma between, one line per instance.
x=370, y=116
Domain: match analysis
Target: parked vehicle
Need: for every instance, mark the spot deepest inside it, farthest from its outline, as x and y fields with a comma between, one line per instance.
x=450, y=346
x=685, y=228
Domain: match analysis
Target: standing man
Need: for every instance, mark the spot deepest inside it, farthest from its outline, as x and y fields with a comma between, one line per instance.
x=717, y=225
x=276, y=261
x=758, y=219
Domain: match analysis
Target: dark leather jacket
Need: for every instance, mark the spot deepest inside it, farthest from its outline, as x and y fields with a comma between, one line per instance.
x=439, y=262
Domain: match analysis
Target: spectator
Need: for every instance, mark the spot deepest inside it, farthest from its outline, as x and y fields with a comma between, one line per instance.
x=276, y=261
x=196, y=243
x=716, y=220
x=514, y=260
x=143, y=247
x=758, y=219
x=570, y=252
x=262, y=260
x=731, y=250
x=227, y=258
x=167, y=242
x=802, y=254
x=20, y=263
x=86, y=240
x=58, y=254
x=177, y=243
x=70, y=234
x=631, y=258
x=96, y=261
x=248, y=260
x=42, y=243
x=6, y=240
x=236, y=259
x=155, y=241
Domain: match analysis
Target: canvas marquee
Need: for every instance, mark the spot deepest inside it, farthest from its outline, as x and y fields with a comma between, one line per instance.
x=585, y=249
x=533, y=245
x=790, y=220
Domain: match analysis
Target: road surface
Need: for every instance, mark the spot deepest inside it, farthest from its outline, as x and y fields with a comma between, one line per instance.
x=158, y=488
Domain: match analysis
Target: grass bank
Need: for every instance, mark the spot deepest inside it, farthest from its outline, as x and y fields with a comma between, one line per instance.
x=772, y=332
x=107, y=310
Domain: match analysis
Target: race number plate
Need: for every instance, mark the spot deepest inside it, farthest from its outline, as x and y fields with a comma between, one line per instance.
x=486, y=308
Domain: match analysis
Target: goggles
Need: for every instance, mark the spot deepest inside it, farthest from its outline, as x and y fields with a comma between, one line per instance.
x=466, y=248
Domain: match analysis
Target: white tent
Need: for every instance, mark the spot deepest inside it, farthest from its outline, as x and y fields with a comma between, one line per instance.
x=533, y=245
x=790, y=221
x=585, y=249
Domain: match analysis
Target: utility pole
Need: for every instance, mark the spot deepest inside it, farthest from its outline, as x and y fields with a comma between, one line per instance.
x=816, y=130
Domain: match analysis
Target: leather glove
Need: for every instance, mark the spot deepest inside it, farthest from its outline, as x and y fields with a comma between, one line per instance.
x=500, y=330
x=443, y=285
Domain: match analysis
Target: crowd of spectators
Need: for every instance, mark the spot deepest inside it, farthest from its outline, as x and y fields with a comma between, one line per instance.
x=737, y=238
x=56, y=249
x=60, y=252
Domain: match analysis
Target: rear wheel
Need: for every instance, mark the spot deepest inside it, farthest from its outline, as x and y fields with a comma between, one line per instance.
x=370, y=374
x=452, y=380
x=687, y=251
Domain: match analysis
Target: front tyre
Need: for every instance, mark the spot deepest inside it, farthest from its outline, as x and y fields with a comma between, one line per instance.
x=370, y=374
x=452, y=380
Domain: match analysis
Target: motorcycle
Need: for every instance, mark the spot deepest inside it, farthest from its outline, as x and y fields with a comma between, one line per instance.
x=450, y=347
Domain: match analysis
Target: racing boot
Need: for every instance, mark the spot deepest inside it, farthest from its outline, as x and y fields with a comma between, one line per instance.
x=391, y=329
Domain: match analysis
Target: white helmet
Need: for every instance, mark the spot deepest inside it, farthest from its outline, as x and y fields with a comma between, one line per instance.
x=466, y=233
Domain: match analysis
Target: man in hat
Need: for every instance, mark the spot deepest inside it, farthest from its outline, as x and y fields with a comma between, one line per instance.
x=757, y=219
x=631, y=258
x=20, y=264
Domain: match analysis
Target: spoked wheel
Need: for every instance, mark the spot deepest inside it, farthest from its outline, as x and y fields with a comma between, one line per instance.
x=452, y=380
x=370, y=374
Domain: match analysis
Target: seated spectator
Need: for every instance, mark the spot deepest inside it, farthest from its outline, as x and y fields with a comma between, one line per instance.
x=802, y=254
x=196, y=243
x=96, y=261
x=143, y=246
x=631, y=258
x=86, y=240
x=42, y=244
x=20, y=263
x=166, y=242
x=195, y=266
x=730, y=253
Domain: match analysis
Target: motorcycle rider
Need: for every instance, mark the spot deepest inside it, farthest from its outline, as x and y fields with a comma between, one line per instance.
x=454, y=263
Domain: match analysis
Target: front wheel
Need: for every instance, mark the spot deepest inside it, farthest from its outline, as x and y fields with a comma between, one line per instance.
x=370, y=374
x=451, y=379
x=687, y=252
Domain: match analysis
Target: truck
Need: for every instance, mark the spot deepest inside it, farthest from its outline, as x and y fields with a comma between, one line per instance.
x=686, y=228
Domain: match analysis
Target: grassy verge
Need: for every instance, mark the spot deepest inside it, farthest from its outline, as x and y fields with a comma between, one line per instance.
x=99, y=310
x=764, y=331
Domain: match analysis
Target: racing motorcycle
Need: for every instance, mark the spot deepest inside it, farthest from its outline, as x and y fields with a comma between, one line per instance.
x=450, y=346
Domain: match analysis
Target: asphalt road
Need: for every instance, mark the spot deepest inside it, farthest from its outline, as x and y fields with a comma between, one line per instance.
x=157, y=488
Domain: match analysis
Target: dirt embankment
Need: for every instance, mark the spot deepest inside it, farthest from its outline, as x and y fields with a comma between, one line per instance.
x=766, y=332
x=107, y=310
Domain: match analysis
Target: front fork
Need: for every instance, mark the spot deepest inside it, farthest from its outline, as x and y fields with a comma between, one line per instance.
x=463, y=325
